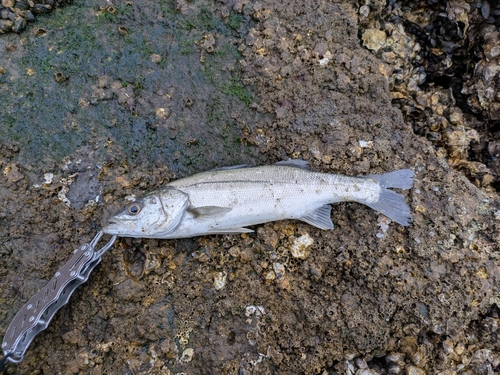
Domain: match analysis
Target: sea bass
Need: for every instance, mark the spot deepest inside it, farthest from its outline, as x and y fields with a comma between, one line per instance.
x=228, y=200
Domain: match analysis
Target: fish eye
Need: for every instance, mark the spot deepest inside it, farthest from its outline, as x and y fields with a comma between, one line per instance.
x=134, y=208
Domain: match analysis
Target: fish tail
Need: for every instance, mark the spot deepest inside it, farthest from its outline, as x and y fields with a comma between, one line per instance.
x=390, y=203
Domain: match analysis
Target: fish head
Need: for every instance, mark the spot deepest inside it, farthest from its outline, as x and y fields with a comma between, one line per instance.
x=151, y=216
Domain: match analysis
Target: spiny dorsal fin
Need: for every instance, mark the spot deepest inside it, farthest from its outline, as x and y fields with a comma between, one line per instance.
x=295, y=163
x=231, y=167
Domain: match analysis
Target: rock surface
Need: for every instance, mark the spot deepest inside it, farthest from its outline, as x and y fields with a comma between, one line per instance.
x=369, y=297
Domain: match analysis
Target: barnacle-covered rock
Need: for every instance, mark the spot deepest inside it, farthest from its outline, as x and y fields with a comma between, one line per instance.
x=442, y=82
x=361, y=295
x=483, y=93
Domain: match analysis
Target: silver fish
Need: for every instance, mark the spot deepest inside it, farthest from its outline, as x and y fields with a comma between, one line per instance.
x=227, y=200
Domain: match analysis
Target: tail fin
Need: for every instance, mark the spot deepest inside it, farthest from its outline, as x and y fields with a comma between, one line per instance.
x=390, y=203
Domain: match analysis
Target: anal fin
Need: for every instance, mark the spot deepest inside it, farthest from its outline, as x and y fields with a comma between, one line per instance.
x=230, y=230
x=320, y=218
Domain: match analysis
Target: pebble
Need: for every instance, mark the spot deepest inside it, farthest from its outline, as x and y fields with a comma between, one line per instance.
x=364, y=10
x=374, y=39
x=413, y=370
x=48, y=177
x=187, y=355
x=155, y=58
x=220, y=280
x=300, y=246
x=367, y=371
x=279, y=270
x=361, y=363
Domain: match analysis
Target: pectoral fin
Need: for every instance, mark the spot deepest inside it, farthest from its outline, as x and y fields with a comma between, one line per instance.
x=320, y=218
x=209, y=211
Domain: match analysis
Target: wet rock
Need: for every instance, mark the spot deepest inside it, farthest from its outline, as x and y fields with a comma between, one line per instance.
x=209, y=43
x=41, y=8
x=6, y=25
x=128, y=290
x=443, y=39
x=412, y=370
x=28, y=16
x=22, y=5
x=12, y=173
x=4, y=13
x=366, y=371
x=84, y=189
x=269, y=237
x=74, y=337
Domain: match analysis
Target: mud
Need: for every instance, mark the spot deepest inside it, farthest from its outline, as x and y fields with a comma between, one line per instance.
x=156, y=92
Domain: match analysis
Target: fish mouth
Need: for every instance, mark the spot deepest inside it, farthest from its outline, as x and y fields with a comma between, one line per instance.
x=111, y=227
x=109, y=213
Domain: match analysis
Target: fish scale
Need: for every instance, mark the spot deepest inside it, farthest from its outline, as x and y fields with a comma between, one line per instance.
x=280, y=186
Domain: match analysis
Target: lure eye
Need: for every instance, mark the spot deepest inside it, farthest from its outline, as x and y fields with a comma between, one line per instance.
x=134, y=208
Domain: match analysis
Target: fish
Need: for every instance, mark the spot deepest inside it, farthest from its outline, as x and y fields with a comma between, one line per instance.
x=231, y=199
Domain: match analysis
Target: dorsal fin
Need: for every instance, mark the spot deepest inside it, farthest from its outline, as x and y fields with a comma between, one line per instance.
x=295, y=163
x=231, y=167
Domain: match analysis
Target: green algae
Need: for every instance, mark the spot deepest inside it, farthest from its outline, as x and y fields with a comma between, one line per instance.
x=51, y=120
